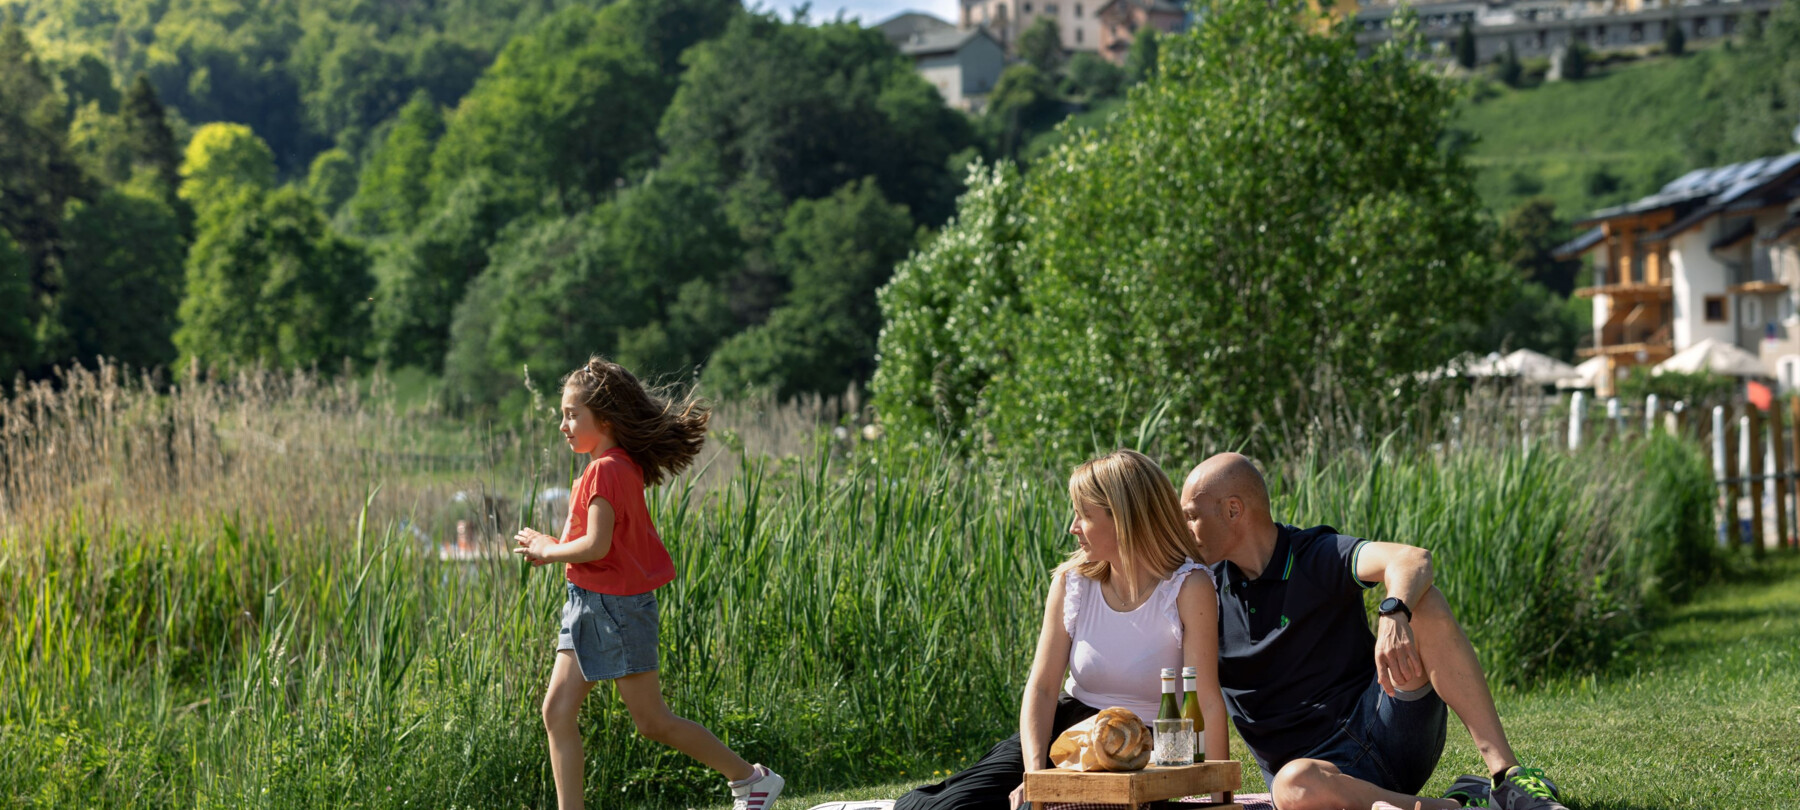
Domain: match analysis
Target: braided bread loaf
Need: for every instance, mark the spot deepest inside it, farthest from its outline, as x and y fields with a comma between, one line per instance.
x=1119, y=741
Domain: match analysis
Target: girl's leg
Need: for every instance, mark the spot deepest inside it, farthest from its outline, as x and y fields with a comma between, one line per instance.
x=562, y=709
x=642, y=694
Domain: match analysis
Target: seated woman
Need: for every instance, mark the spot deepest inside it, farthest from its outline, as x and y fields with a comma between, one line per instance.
x=1120, y=610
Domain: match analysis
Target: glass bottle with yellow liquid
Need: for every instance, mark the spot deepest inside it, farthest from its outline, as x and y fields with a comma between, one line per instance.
x=1190, y=709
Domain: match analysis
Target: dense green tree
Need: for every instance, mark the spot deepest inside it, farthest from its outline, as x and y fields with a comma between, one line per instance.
x=1041, y=45
x=1526, y=315
x=1096, y=77
x=88, y=79
x=1528, y=235
x=934, y=363
x=567, y=110
x=221, y=161
x=392, y=193
x=269, y=282
x=421, y=277
x=331, y=179
x=1575, y=62
x=1141, y=60
x=1508, y=69
x=1023, y=102
x=766, y=107
x=635, y=278
x=839, y=250
x=38, y=175
x=123, y=279
x=18, y=343
x=1466, y=53
x=1135, y=291
x=149, y=139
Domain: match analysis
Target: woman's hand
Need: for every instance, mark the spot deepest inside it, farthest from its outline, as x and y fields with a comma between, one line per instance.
x=533, y=545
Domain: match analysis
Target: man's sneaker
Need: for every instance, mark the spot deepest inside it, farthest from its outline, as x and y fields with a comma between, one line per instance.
x=1524, y=789
x=757, y=792
x=1470, y=790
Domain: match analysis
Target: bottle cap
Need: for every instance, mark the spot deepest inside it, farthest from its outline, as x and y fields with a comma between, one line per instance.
x=1190, y=672
x=1168, y=673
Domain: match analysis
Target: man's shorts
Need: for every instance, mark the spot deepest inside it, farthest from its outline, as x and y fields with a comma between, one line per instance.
x=611, y=636
x=1388, y=742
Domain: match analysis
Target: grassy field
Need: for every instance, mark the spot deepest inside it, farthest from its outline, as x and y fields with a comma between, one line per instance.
x=1630, y=121
x=212, y=597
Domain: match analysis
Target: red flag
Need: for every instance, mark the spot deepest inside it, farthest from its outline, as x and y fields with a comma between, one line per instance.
x=1759, y=395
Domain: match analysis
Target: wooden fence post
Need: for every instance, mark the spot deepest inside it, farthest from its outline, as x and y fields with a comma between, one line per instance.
x=1725, y=473
x=1793, y=484
x=1777, y=484
x=1755, y=451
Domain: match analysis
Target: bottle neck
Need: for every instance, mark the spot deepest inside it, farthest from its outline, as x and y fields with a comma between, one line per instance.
x=1187, y=684
x=1169, y=687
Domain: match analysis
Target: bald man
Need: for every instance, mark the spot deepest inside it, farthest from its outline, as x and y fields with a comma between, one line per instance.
x=1337, y=716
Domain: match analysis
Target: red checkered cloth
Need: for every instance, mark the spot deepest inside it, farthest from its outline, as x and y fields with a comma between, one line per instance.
x=1250, y=801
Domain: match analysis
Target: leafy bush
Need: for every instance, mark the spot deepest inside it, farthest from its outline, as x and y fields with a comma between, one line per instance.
x=1231, y=268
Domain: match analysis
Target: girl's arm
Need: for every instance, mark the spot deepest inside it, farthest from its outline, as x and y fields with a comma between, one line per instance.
x=594, y=545
x=1198, y=604
x=1037, y=712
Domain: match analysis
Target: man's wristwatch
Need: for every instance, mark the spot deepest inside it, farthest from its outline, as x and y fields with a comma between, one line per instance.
x=1391, y=606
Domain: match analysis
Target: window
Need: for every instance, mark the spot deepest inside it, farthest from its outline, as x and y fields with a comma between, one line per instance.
x=1025, y=9
x=1077, y=36
x=1077, y=11
x=1715, y=309
x=1750, y=313
x=1050, y=8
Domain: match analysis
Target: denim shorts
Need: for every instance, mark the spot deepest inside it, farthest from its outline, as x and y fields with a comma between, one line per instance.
x=1394, y=744
x=612, y=636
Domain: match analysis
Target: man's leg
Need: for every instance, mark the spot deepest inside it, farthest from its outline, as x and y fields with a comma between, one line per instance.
x=1314, y=784
x=1452, y=670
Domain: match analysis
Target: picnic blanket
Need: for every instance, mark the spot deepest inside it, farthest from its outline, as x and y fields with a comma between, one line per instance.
x=1250, y=801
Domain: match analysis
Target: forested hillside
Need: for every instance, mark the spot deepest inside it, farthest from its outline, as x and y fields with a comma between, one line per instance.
x=301, y=181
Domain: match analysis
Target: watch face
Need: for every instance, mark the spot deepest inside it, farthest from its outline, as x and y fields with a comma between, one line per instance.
x=1389, y=605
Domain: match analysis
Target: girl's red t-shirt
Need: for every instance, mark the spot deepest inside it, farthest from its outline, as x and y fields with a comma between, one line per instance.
x=638, y=562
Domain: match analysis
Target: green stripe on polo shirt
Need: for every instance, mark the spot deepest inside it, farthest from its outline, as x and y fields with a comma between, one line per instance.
x=1354, y=555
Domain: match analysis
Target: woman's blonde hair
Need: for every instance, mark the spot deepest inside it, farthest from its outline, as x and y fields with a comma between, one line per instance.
x=1142, y=503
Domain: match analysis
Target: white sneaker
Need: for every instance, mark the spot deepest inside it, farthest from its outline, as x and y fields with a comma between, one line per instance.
x=759, y=792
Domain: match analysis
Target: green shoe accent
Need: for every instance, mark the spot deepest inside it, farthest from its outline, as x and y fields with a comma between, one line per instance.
x=1532, y=781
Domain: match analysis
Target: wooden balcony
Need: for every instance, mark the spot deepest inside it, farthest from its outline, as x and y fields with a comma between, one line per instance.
x=1630, y=292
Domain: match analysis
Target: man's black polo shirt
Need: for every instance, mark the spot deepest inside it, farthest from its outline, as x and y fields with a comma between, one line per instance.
x=1295, y=651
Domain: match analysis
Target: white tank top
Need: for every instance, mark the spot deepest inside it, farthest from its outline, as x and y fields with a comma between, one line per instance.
x=1116, y=659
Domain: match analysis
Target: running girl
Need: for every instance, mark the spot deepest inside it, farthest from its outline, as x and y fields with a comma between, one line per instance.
x=616, y=562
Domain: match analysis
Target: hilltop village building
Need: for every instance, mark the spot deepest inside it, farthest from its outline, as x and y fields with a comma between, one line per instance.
x=1713, y=255
x=962, y=63
x=1542, y=27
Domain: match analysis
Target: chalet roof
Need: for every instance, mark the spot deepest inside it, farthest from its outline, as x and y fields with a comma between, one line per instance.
x=1580, y=244
x=1701, y=193
x=927, y=43
x=901, y=27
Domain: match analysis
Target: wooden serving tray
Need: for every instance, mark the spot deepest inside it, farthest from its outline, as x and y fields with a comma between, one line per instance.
x=1134, y=789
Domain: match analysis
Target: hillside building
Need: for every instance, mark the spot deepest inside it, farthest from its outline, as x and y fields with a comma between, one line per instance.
x=1714, y=254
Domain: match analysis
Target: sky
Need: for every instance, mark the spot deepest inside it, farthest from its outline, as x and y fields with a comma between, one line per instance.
x=872, y=11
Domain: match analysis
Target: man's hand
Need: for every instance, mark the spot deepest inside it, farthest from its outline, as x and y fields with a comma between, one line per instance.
x=1397, y=661
x=532, y=545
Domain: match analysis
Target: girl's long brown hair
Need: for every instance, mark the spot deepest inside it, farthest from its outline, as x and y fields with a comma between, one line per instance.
x=662, y=433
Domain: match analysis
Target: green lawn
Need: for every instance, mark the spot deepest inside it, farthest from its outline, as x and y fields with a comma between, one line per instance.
x=1705, y=714
x=1632, y=121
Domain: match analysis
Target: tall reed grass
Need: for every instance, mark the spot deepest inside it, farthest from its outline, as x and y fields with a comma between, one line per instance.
x=264, y=628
